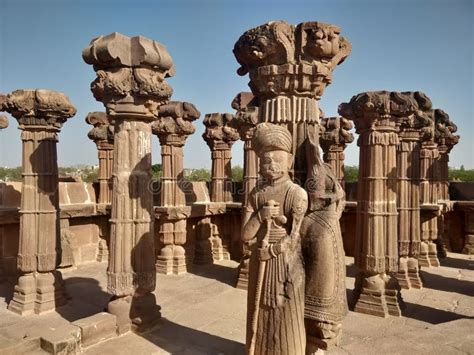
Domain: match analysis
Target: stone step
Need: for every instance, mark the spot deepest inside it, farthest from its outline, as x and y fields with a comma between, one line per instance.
x=96, y=328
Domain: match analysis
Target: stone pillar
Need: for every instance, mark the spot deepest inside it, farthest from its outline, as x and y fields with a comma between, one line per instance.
x=289, y=67
x=430, y=209
x=103, y=136
x=130, y=83
x=40, y=114
x=173, y=127
x=413, y=129
x=376, y=250
x=335, y=135
x=220, y=136
x=446, y=139
x=245, y=121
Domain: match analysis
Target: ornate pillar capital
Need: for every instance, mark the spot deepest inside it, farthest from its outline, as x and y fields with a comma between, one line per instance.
x=103, y=132
x=335, y=132
x=219, y=133
x=174, y=123
x=38, y=109
x=444, y=134
x=131, y=74
x=284, y=59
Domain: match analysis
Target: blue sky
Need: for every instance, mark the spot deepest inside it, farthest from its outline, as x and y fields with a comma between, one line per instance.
x=396, y=45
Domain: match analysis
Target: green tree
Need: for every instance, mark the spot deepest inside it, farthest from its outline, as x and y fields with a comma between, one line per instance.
x=156, y=172
x=237, y=173
x=351, y=173
x=198, y=175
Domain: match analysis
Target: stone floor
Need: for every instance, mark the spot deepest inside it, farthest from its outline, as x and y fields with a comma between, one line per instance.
x=204, y=314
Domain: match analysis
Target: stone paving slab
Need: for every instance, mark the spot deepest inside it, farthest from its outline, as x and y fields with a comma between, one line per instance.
x=204, y=314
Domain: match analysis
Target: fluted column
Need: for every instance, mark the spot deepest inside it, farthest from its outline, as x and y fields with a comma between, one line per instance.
x=430, y=209
x=219, y=135
x=414, y=128
x=245, y=121
x=173, y=127
x=289, y=67
x=376, y=250
x=335, y=135
x=130, y=83
x=446, y=139
x=103, y=136
x=40, y=114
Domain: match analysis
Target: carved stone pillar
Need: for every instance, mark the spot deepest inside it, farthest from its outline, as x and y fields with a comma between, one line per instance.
x=173, y=126
x=414, y=126
x=335, y=135
x=245, y=121
x=289, y=67
x=40, y=114
x=220, y=136
x=446, y=139
x=430, y=209
x=130, y=83
x=376, y=250
x=103, y=136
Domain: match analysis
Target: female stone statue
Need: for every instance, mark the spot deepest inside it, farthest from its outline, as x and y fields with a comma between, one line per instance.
x=275, y=305
x=325, y=296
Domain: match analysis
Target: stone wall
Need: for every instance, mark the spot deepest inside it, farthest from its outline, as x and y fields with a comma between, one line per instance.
x=78, y=215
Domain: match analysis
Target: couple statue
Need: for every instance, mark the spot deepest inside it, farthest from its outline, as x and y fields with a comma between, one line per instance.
x=296, y=291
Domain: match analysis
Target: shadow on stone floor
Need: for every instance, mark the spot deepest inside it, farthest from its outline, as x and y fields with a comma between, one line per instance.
x=429, y=314
x=448, y=284
x=6, y=289
x=222, y=273
x=457, y=263
x=177, y=339
x=87, y=299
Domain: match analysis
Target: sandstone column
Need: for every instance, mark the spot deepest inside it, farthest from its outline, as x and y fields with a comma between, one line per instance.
x=130, y=82
x=103, y=136
x=335, y=135
x=289, y=67
x=245, y=121
x=173, y=127
x=376, y=250
x=430, y=209
x=414, y=126
x=446, y=139
x=40, y=114
x=219, y=136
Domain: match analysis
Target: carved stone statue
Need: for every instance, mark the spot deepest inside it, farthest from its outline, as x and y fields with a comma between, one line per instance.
x=323, y=251
x=275, y=305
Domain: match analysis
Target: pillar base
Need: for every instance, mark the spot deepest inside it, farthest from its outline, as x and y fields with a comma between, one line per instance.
x=378, y=295
x=137, y=313
x=321, y=336
x=433, y=254
x=220, y=253
x=468, y=244
x=408, y=274
x=203, y=253
x=171, y=261
x=243, y=278
x=38, y=293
